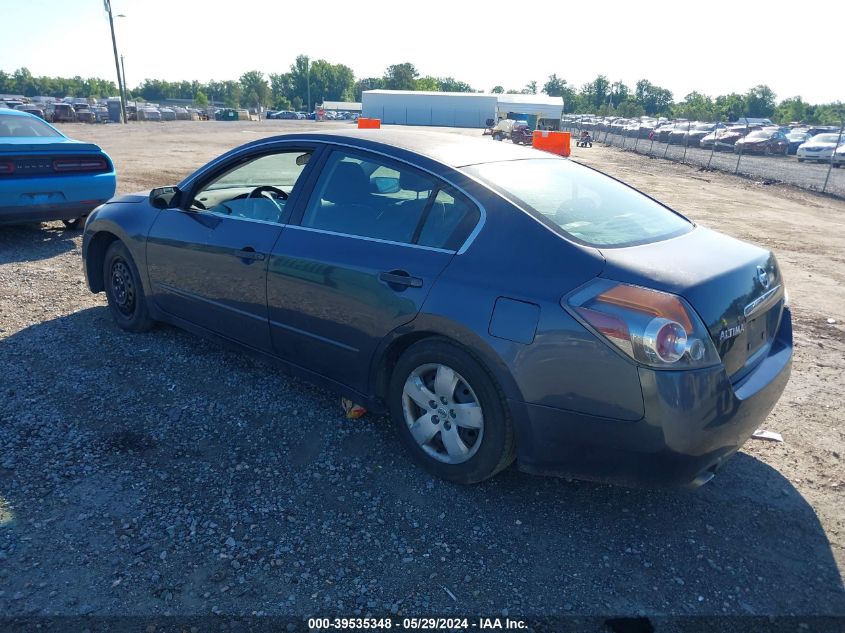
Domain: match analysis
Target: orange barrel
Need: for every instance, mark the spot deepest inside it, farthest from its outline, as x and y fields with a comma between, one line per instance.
x=549, y=141
x=369, y=124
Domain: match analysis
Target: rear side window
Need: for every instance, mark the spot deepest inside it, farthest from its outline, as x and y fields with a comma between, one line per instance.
x=583, y=204
x=449, y=220
x=373, y=197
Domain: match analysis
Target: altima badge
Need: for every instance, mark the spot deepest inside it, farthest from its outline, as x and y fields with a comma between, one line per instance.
x=730, y=332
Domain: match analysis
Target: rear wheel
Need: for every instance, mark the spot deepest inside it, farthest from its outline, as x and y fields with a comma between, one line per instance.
x=800, y=160
x=124, y=291
x=449, y=413
x=73, y=225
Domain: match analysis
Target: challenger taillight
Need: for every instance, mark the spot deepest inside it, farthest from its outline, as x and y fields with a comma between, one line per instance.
x=652, y=327
x=7, y=167
x=80, y=163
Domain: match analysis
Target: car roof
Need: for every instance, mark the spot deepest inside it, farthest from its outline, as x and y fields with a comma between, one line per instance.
x=454, y=150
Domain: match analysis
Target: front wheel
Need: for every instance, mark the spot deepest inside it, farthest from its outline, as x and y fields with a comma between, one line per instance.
x=449, y=413
x=124, y=291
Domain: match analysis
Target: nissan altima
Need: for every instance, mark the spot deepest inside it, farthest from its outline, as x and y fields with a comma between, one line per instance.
x=498, y=303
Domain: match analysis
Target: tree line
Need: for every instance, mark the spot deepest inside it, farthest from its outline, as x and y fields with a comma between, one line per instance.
x=310, y=82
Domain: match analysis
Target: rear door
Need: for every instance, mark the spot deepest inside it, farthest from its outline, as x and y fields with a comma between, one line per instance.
x=207, y=261
x=360, y=261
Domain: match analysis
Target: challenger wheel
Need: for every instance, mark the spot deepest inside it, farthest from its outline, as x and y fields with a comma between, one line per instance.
x=124, y=291
x=449, y=413
x=73, y=225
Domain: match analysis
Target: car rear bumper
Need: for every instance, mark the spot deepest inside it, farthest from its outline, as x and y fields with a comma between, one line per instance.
x=693, y=422
x=41, y=199
x=46, y=212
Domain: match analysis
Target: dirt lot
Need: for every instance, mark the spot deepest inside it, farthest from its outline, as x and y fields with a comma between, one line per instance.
x=159, y=473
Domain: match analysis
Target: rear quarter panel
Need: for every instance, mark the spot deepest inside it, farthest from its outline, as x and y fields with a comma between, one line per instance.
x=565, y=366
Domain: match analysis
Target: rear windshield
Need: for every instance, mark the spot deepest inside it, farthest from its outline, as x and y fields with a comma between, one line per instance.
x=24, y=126
x=584, y=204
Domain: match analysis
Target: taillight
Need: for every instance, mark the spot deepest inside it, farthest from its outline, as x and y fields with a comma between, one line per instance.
x=7, y=167
x=652, y=327
x=93, y=163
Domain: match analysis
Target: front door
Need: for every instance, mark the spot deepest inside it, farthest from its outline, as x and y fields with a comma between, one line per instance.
x=360, y=261
x=208, y=260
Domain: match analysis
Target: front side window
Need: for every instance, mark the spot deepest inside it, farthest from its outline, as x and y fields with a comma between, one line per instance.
x=256, y=190
x=377, y=198
x=582, y=203
x=24, y=126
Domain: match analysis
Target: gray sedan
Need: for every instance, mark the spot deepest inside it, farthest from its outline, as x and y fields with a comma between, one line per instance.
x=498, y=303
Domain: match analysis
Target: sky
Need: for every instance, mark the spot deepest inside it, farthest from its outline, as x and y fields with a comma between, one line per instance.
x=715, y=47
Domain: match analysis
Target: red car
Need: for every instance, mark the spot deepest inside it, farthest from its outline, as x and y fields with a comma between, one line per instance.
x=763, y=142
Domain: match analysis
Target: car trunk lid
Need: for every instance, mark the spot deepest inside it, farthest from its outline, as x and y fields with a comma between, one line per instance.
x=735, y=287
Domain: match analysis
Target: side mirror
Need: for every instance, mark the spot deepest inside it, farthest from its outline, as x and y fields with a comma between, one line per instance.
x=164, y=197
x=385, y=184
x=490, y=122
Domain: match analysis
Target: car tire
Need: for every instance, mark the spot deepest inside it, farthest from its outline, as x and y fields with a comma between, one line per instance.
x=75, y=224
x=800, y=160
x=124, y=291
x=464, y=428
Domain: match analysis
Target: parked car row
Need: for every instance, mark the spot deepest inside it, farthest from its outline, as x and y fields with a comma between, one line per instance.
x=748, y=136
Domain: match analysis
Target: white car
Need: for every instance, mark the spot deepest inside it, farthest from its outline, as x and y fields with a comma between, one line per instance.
x=820, y=147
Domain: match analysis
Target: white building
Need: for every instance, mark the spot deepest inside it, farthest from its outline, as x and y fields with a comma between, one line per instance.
x=448, y=109
x=459, y=109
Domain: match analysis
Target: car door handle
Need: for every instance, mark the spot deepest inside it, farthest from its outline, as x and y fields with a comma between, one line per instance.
x=249, y=253
x=400, y=278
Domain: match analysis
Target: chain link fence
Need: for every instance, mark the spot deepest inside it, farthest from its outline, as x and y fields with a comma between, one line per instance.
x=691, y=144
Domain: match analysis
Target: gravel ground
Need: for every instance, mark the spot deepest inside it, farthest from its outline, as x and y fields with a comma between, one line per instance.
x=162, y=474
x=781, y=169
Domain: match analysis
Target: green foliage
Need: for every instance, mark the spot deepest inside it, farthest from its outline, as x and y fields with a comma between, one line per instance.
x=729, y=107
x=22, y=82
x=200, y=99
x=695, y=107
x=255, y=88
x=555, y=86
x=530, y=88
x=401, y=77
x=760, y=102
x=653, y=99
x=497, y=90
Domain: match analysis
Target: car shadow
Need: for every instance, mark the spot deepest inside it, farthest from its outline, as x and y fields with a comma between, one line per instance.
x=31, y=242
x=160, y=472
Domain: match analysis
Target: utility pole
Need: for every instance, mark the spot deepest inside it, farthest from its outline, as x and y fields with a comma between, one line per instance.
x=107, y=4
x=308, y=80
x=123, y=75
